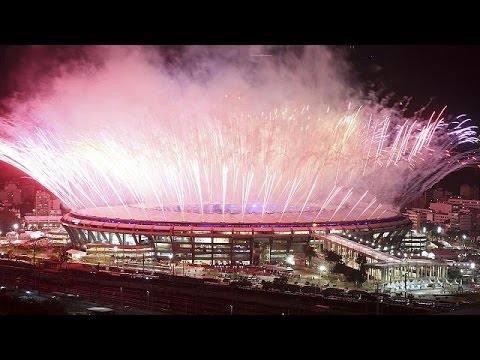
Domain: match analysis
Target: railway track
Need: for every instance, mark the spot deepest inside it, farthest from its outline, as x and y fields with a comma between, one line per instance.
x=166, y=295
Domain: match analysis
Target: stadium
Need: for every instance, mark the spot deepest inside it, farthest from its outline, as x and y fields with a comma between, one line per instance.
x=243, y=163
x=220, y=239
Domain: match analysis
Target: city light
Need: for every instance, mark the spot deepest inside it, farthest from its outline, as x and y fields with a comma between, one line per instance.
x=290, y=260
x=238, y=172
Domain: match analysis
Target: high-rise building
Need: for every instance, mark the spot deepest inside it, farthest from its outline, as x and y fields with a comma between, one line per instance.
x=442, y=207
x=420, y=202
x=55, y=204
x=12, y=194
x=418, y=217
x=28, y=187
x=42, y=203
x=475, y=192
x=466, y=191
x=465, y=220
x=440, y=195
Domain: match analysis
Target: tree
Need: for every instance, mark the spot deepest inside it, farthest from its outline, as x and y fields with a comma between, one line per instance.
x=454, y=273
x=267, y=285
x=339, y=268
x=280, y=283
x=310, y=252
x=63, y=256
x=332, y=256
x=361, y=259
x=7, y=219
x=361, y=277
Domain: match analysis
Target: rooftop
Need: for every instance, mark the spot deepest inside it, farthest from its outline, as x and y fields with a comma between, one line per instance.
x=136, y=212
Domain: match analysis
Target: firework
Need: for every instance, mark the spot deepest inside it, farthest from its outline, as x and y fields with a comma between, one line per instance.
x=319, y=161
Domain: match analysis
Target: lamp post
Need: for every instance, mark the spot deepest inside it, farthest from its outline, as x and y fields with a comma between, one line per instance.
x=34, y=265
x=15, y=227
x=170, y=256
x=322, y=269
x=439, y=231
x=405, y=281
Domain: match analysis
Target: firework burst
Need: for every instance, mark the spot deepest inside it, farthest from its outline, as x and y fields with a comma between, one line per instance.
x=342, y=162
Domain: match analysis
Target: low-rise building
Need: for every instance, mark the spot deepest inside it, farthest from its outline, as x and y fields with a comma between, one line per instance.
x=42, y=222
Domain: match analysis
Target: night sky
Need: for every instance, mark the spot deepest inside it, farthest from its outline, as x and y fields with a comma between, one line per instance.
x=447, y=75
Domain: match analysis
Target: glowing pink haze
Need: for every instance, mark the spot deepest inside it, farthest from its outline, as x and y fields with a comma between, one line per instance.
x=226, y=132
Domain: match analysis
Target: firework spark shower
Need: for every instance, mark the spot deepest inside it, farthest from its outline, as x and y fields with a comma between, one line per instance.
x=228, y=130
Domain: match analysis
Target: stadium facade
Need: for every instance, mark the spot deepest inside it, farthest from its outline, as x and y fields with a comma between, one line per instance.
x=218, y=239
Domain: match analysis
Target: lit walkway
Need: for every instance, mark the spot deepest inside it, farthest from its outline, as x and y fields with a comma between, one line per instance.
x=363, y=249
x=383, y=266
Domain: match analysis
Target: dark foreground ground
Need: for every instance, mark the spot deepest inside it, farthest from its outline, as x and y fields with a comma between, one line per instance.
x=36, y=290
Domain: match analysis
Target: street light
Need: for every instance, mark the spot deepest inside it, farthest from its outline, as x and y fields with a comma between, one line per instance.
x=143, y=263
x=34, y=248
x=170, y=256
x=290, y=260
x=321, y=268
x=15, y=227
x=231, y=309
